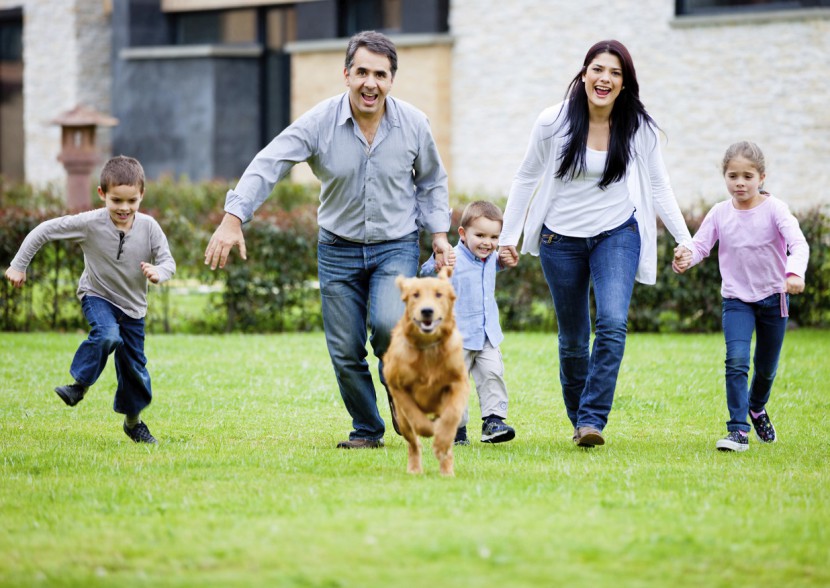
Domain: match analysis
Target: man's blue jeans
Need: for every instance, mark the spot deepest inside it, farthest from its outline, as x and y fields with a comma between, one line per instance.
x=357, y=282
x=111, y=330
x=570, y=264
x=740, y=319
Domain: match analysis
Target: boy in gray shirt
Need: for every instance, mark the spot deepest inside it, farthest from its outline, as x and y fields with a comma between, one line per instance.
x=123, y=248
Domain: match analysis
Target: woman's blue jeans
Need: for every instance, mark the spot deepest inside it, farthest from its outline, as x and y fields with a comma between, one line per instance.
x=570, y=264
x=740, y=319
x=111, y=330
x=357, y=281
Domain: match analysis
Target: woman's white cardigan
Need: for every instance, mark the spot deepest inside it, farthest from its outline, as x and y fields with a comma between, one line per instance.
x=534, y=188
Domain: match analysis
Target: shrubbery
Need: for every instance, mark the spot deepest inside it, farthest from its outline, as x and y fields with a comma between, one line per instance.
x=275, y=289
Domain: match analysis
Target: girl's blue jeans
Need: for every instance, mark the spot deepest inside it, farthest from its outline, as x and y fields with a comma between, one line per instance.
x=113, y=331
x=357, y=283
x=607, y=261
x=740, y=319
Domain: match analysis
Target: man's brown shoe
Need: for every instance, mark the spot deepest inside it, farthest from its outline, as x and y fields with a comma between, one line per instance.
x=588, y=437
x=361, y=444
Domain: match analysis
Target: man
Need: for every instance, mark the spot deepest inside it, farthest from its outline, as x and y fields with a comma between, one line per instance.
x=381, y=174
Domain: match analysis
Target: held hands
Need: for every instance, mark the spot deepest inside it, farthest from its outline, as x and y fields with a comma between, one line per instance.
x=15, y=277
x=150, y=272
x=444, y=253
x=227, y=234
x=682, y=259
x=794, y=284
x=508, y=256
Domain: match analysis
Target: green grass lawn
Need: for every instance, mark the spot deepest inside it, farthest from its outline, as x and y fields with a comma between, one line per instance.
x=246, y=488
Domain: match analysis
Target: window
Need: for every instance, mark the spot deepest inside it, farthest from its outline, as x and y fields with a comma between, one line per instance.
x=12, y=137
x=218, y=27
x=365, y=15
x=697, y=7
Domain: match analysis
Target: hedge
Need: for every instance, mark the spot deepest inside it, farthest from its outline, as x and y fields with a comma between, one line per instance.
x=275, y=289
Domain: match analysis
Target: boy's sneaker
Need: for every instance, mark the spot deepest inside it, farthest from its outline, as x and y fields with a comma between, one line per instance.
x=494, y=430
x=71, y=394
x=734, y=441
x=139, y=433
x=763, y=427
x=461, y=437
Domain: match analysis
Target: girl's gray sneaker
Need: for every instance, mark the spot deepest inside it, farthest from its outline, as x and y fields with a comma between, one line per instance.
x=734, y=441
x=763, y=427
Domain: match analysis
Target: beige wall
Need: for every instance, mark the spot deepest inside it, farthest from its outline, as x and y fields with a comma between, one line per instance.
x=422, y=80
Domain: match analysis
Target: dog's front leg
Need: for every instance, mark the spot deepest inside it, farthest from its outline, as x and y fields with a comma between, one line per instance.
x=417, y=419
x=447, y=425
x=414, y=462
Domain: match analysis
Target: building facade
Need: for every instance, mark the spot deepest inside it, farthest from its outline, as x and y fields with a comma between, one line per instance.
x=199, y=86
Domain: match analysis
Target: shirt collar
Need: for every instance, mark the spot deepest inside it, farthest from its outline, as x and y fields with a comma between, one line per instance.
x=390, y=115
x=469, y=255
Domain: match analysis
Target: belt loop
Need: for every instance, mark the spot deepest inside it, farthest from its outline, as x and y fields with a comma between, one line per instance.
x=784, y=312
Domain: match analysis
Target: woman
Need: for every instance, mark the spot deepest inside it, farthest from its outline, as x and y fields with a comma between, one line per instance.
x=595, y=167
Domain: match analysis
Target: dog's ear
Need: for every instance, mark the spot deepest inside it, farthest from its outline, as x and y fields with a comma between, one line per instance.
x=402, y=283
x=445, y=273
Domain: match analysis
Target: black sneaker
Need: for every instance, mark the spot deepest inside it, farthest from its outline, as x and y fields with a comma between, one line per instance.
x=461, y=437
x=494, y=430
x=763, y=428
x=71, y=394
x=734, y=441
x=139, y=433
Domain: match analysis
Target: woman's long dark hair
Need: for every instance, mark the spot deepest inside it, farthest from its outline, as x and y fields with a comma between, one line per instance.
x=626, y=116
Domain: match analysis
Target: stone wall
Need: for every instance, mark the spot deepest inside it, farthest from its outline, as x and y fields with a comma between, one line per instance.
x=66, y=55
x=708, y=83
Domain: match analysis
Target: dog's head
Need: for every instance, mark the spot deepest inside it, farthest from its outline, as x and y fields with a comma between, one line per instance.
x=429, y=302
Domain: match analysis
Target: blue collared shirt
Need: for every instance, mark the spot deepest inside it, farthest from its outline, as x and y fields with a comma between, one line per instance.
x=476, y=311
x=369, y=193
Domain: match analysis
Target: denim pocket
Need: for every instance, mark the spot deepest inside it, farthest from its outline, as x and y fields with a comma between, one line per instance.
x=550, y=238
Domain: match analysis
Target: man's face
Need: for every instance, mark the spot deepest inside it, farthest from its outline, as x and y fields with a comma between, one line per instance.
x=369, y=81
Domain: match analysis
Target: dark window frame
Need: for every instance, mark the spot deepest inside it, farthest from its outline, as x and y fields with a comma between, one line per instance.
x=715, y=7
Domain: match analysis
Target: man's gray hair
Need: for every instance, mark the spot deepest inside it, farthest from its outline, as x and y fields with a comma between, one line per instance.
x=376, y=43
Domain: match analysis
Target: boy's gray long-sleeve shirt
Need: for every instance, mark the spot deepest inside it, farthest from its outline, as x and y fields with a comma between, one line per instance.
x=112, y=258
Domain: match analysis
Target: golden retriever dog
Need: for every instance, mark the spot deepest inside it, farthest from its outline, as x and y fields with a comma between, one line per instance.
x=424, y=369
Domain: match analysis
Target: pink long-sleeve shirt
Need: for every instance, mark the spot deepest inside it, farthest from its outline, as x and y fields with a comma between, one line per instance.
x=753, y=248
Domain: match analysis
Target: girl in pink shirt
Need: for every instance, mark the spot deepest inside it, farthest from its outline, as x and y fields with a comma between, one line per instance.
x=756, y=231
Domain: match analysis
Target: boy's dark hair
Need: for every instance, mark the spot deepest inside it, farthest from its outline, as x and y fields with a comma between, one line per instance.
x=478, y=209
x=376, y=43
x=122, y=171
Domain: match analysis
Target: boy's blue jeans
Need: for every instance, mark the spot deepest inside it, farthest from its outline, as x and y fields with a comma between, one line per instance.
x=357, y=281
x=111, y=330
x=740, y=319
x=570, y=264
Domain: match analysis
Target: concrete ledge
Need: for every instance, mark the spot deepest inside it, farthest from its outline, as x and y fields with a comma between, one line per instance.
x=190, y=51
x=400, y=41
x=755, y=17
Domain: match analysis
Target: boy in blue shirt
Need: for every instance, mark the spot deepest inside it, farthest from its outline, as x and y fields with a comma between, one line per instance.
x=477, y=316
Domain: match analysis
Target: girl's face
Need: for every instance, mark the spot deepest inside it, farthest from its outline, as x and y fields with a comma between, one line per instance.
x=603, y=80
x=744, y=183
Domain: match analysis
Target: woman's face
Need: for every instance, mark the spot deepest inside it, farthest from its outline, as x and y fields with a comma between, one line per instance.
x=603, y=80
